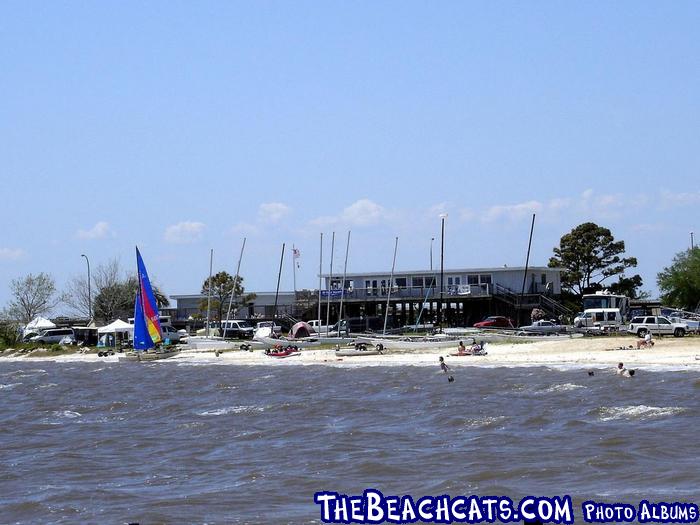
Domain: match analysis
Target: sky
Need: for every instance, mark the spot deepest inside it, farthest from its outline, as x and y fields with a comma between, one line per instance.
x=182, y=127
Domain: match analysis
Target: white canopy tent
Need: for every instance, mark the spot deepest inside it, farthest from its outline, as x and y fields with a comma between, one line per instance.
x=116, y=327
x=37, y=324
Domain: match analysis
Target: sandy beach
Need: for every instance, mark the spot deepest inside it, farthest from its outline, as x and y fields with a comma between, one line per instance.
x=595, y=352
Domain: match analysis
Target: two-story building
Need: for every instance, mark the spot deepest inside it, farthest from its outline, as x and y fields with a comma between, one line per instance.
x=465, y=296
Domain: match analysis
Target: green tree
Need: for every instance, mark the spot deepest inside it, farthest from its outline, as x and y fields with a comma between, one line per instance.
x=680, y=282
x=32, y=295
x=118, y=299
x=589, y=255
x=223, y=285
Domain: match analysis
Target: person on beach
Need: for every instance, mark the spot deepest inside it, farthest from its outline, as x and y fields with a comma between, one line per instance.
x=461, y=349
x=647, y=342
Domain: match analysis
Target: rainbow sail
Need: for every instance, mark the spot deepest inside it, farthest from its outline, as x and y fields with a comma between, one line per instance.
x=147, y=330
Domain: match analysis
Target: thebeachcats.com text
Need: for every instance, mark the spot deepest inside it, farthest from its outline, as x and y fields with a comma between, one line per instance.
x=374, y=507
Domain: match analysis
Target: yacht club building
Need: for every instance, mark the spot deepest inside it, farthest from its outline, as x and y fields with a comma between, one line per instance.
x=467, y=295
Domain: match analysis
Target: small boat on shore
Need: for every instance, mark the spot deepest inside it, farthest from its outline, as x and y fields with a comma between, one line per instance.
x=281, y=353
x=358, y=349
x=149, y=355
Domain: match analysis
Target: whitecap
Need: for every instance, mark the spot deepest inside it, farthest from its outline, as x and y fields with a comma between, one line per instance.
x=563, y=387
x=67, y=413
x=231, y=410
x=639, y=412
x=9, y=386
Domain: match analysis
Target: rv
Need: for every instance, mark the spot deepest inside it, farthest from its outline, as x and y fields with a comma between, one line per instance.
x=605, y=318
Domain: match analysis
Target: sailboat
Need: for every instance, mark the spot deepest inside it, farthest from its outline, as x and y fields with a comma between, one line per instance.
x=147, y=331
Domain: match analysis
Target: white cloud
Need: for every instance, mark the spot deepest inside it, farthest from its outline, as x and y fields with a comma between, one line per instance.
x=511, y=212
x=363, y=212
x=669, y=199
x=273, y=211
x=184, y=232
x=98, y=231
x=559, y=203
x=11, y=254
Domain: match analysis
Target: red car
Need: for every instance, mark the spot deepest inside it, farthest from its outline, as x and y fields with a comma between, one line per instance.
x=495, y=321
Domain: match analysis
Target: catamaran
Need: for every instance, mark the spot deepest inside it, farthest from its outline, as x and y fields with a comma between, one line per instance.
x=147, y=330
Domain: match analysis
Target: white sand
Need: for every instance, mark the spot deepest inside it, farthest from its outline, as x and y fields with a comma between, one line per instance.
x=595, y=352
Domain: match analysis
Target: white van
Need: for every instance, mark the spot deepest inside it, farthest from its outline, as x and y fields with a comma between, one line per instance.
x=599, y=318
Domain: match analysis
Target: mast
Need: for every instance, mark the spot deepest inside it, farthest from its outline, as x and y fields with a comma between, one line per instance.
x=342, y=285
x=294, y=269
x=391, y=279
x=330, y=283
x=277, y=292
x=320, y=280
x=235, y=282
x=527, y=263
x=211, y=262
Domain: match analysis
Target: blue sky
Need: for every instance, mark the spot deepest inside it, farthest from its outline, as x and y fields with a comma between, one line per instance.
x=183, y=126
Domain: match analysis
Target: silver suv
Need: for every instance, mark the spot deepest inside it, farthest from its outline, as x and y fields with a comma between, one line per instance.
x=53, y=335
x=657, y=325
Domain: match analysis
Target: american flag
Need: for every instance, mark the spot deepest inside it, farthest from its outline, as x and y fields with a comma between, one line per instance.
x=296, y=253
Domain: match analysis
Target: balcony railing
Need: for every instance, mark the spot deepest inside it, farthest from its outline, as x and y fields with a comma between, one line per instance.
x=409, y=292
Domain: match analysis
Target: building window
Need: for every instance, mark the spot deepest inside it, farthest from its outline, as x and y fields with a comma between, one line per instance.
x=485, y=279
x=544, y=278
x=400, y=282
x=472, y=279
x=417, y=282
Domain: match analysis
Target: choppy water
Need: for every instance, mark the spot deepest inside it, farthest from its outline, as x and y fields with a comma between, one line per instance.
x=184, y=443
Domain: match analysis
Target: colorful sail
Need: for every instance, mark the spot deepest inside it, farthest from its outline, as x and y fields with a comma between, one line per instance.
x=147, y=331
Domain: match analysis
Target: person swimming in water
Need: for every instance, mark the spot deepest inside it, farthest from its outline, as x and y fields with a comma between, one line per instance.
x=445, y=368
x=622, y=371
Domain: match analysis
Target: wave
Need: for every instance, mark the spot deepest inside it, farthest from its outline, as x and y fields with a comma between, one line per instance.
x=637, y=412
x=70, y=414
x=9, y=386
x=564, y=387
x=231, y=410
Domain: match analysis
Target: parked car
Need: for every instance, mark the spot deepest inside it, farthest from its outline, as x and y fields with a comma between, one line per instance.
x=168, y=332
x=237, y=329
x=544, y=327
x=495, y=321
x=53, y=335
x=657, y=325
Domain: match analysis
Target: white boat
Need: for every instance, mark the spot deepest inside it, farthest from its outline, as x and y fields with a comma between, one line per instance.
x=149, y=355
x=358, y=349
x=411, y=343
